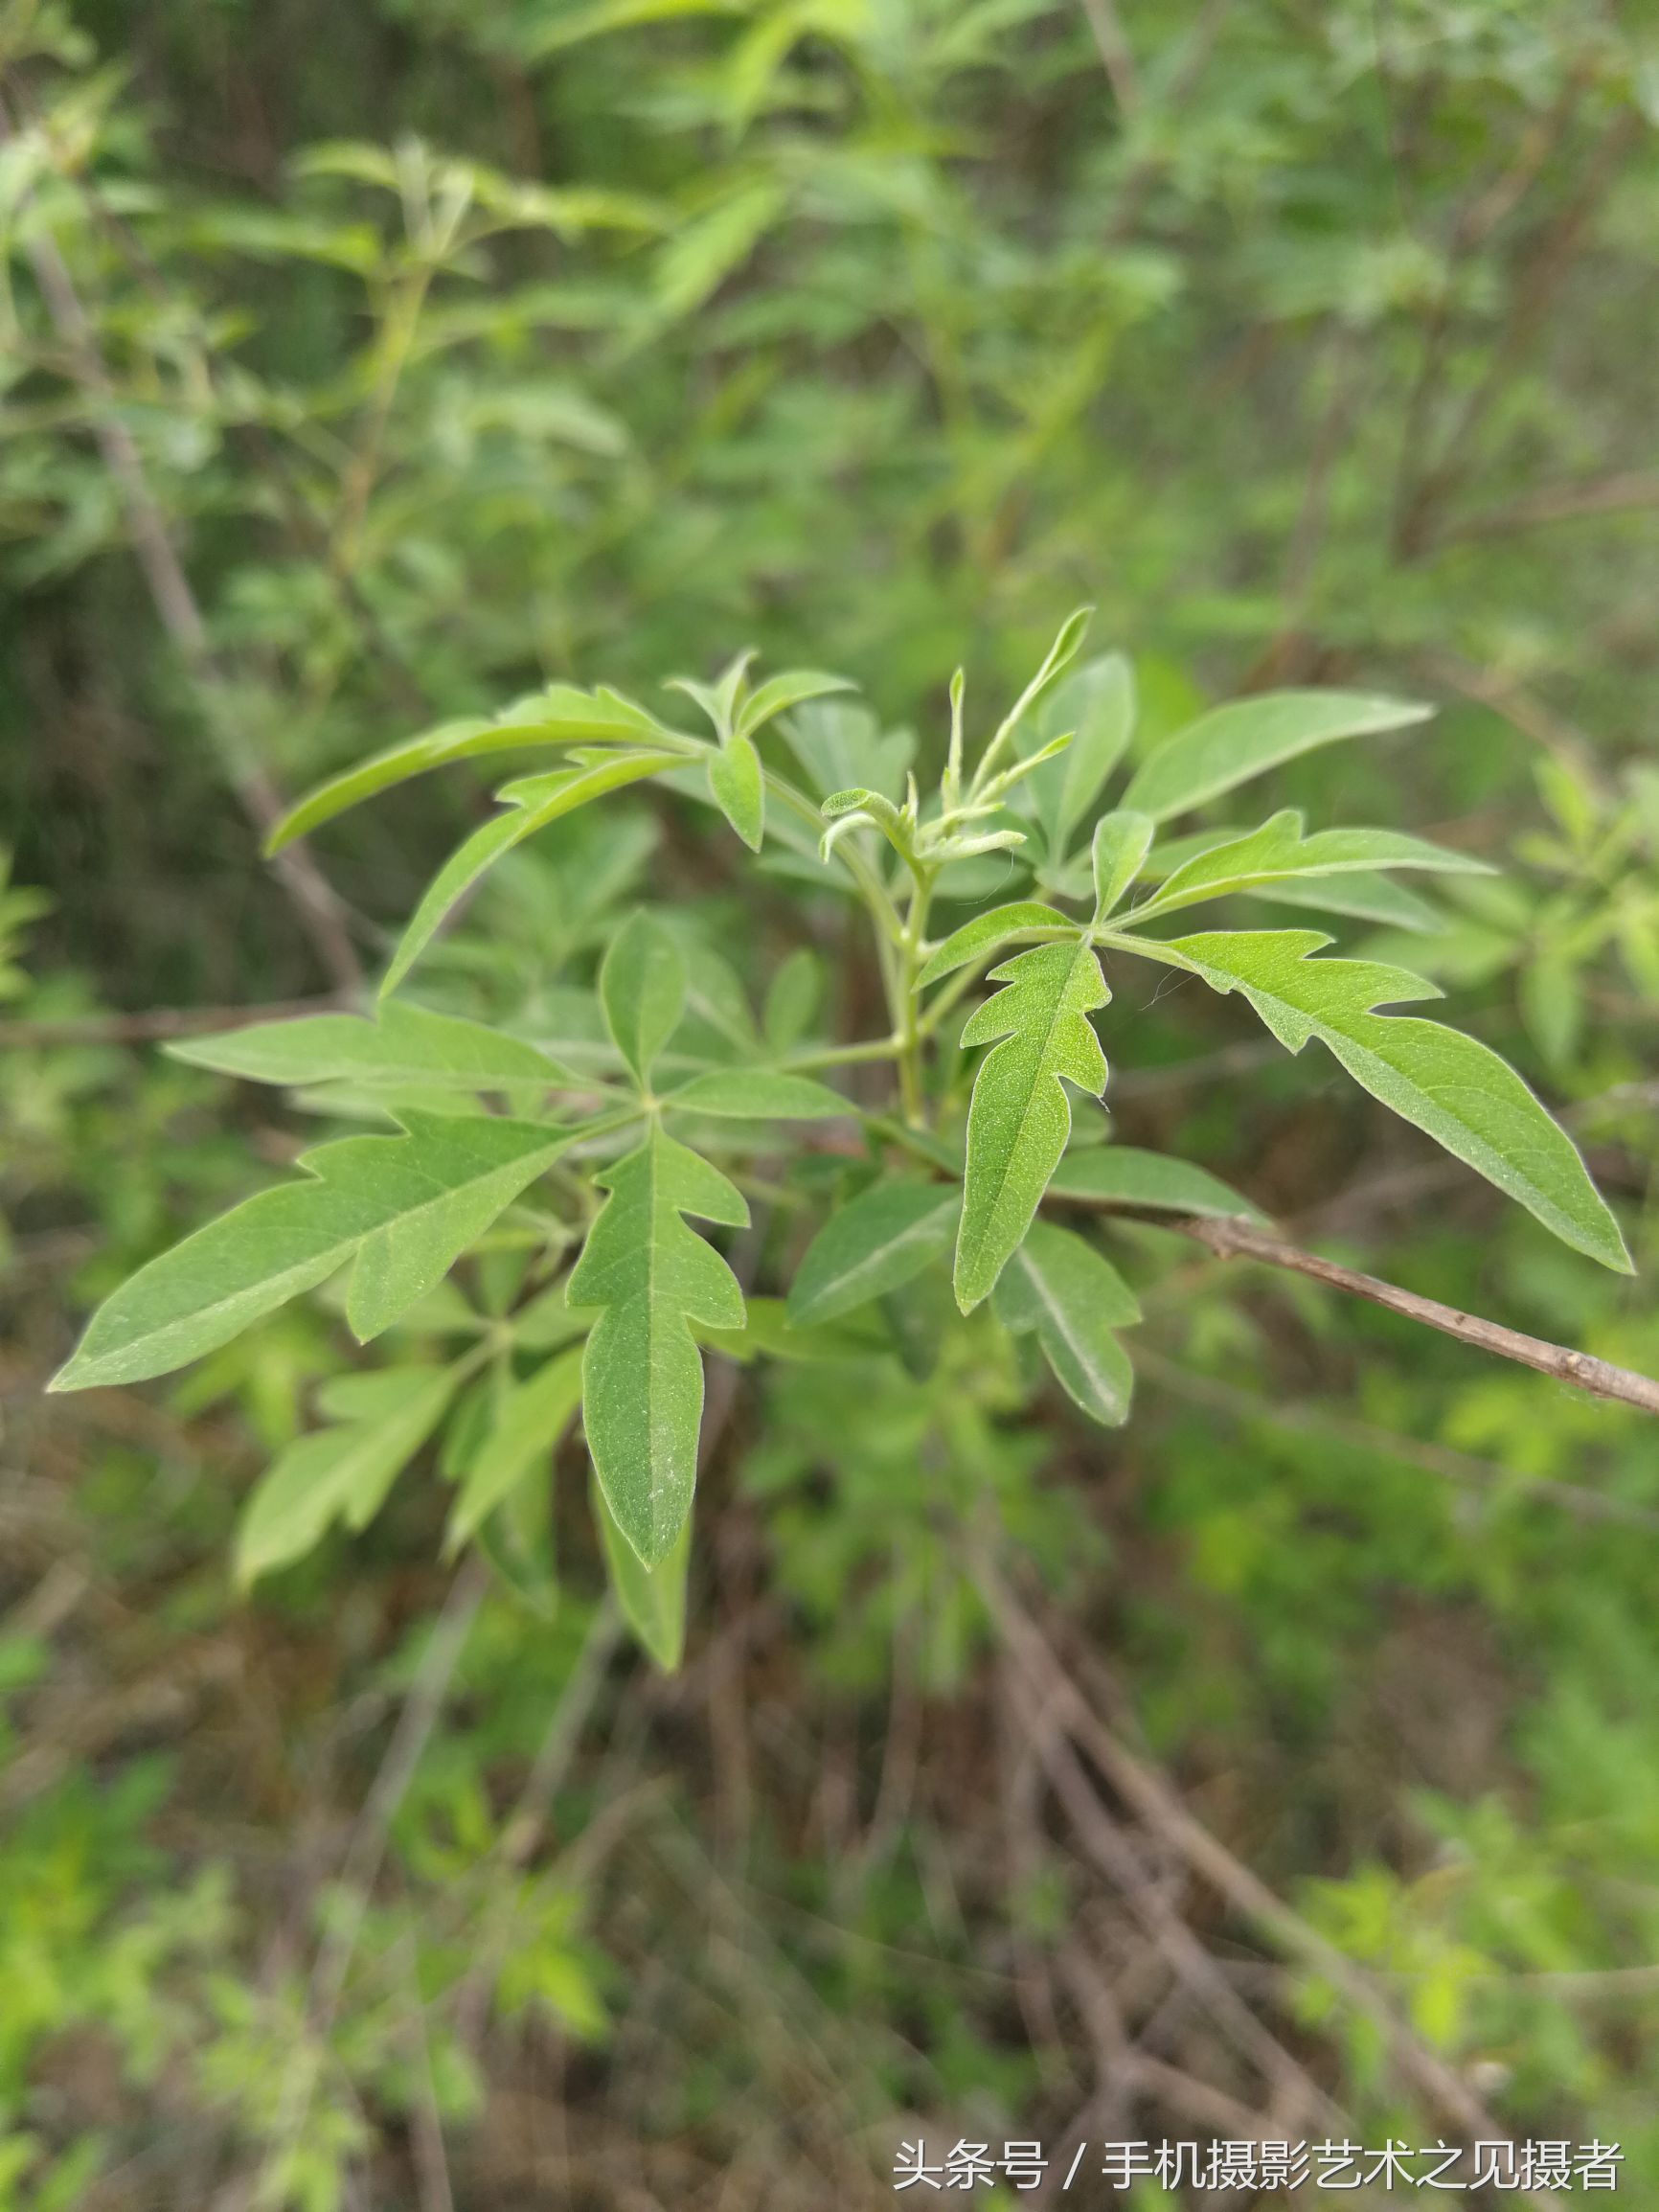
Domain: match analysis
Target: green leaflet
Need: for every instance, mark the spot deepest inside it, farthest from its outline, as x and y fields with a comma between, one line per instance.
x=1279, y=849
x=559, y=715
x=1234, y=743
x=980, y=937
x=528, y=1419
x=1096, y=703
x=1454, y=1088
x=718, y=700
x=871, y=1245
x=770, y=1332
x=650, y=1277
x=652, y=1598
x=641, y=990
x=547, y=1322
x=760, y=1094
x=1073, y=1297
x=1020, y=1115
x=406, y=1207
x=342, y=1472
x=793, y=997
x=534, y=801
x=406, y=1045
x=792, y=688
x=716, y=997
x=1364, y=897
x=1122, y=1175
x=740, y=788
x=1120, y=847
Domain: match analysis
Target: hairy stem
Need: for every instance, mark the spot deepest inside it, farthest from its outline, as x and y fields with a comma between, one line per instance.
x=907, y=1008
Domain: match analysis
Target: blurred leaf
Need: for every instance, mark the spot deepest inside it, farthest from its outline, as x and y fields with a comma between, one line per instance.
x=652, y=1598
x=872, y=1244
x=341, y=1473
x=642, y=989
x=760, y=1094
x=1074, y=1298
x=1245, y=738
x=1121, y=1174
x=528, y=1419
x=406, y=1044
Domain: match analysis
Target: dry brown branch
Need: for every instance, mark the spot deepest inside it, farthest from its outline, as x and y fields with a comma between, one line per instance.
x=1231, y=1238
x=1624, y=493
x=318, y=907
x=1113, y=48
x=1106, y=1843
x=1154, y=1800
x=156, y=1026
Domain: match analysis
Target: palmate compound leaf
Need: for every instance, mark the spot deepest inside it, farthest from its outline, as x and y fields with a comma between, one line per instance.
x=873, y=1244
x=1247, y=737
x=1020, y=1115
x=1074, y=1298
x=649, y=1277
x=403, y=1208
x=1454, y=1088
x=406, y=1045
x=341, y=1472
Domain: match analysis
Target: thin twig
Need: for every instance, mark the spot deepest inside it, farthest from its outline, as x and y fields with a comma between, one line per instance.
x=1105, y=1841
x=1525, y=711
x=1624, y=493
x=1233, y=1239
x=154, y=1027
x=1155, y=1800
x=317, y=905
x=1116, y=59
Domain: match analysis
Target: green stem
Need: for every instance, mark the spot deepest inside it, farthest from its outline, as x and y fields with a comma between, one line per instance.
x=907, y=1010
x=897, y=941
x=844, y=1055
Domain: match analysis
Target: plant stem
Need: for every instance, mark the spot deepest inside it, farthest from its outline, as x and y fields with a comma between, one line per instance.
x=906, y=1008
x=845, y=1055
x=319, y=910
x=1231, y=1238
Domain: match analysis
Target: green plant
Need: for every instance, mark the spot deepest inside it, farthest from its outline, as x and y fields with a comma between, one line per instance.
x=504, y=1153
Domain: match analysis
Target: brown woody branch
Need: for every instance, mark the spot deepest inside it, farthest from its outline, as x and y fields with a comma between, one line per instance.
x=1057, y=1704
x=1231, y=1238
x=154, y=1027
x=1626, y=493
x=317, y=905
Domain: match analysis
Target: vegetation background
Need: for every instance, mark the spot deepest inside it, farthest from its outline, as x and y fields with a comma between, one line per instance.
x=1286, y=1763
